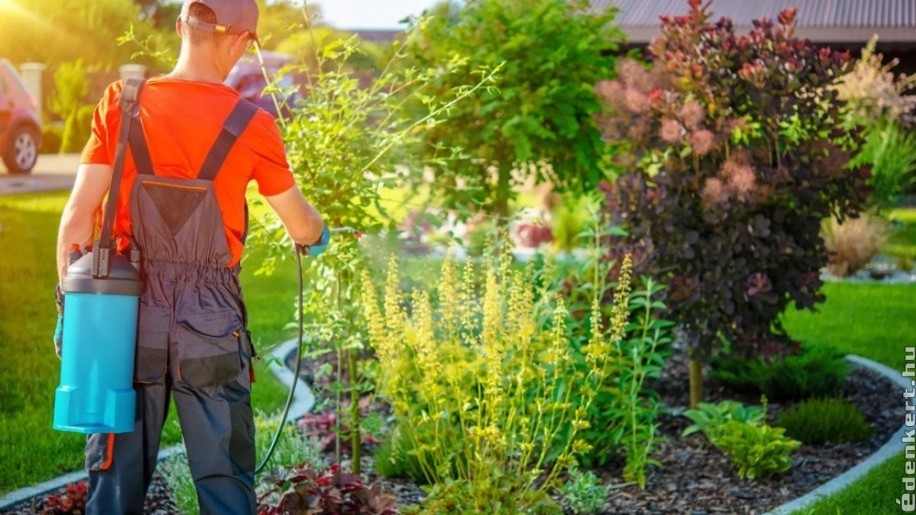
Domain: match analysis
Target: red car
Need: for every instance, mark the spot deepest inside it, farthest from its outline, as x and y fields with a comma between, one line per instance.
x=20, y=127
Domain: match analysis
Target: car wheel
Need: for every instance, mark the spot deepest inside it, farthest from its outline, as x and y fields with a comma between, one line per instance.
x=22, y=153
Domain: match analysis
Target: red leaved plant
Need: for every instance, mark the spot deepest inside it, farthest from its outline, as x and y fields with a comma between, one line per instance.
x=333, y=491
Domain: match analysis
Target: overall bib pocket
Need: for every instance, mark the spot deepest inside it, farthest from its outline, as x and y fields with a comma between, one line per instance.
x=209, y=350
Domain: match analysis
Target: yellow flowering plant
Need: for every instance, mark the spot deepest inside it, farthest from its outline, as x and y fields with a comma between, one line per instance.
x=490, y=402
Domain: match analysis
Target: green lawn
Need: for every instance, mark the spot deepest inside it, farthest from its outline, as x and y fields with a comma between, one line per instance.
x=877, y=322
x=30, y=451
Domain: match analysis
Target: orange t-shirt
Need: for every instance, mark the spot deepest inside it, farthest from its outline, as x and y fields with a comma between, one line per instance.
x=181, y=120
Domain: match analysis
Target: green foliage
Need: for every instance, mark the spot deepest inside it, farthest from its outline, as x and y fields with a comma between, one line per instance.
x=624, y=412
x=51, y=135
x=58, y=31
x=732, y=152
x=891, y=152
x=77, y=129
x=584, y=492
x=541, y=109
x=815, y=372
x=393, y=458
x=758, y=450
x=177, y=476
x=710, y=418
x=70, y=89
x=817, y=421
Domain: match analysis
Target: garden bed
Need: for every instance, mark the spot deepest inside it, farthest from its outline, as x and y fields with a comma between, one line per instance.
x=695, y=477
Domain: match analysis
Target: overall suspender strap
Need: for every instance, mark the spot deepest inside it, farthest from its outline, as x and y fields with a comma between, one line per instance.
x=138, y=148
x=233, y=127
x=130, y=96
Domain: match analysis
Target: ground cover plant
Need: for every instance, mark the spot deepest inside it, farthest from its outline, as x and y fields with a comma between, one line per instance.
x=817, y=421
x=817, y=371
x=30, y=371
x=731, y=161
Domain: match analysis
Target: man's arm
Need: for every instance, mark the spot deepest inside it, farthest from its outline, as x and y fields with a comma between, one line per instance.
x=76, y=223
x=302, y=221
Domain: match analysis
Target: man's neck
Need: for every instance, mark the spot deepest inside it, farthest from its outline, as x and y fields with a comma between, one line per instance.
x=195, y=68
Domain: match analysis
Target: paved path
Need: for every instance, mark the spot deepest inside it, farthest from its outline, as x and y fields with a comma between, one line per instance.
x=52, y=172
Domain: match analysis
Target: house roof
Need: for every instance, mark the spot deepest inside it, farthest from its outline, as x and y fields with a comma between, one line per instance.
x=825, y=21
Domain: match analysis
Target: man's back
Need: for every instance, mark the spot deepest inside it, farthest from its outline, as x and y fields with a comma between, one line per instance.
x=181, y=120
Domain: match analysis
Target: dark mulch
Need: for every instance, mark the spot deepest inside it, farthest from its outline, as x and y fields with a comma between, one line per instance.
x=158, y=501
x=696, y=478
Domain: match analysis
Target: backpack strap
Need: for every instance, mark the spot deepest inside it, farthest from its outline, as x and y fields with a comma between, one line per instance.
x=130, y=98
x=233, y=127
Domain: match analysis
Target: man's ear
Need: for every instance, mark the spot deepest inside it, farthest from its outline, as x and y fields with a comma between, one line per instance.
x=178, y=26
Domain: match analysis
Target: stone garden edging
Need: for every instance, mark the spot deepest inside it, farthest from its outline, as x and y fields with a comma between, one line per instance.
x=891, y=448
x=303, y=401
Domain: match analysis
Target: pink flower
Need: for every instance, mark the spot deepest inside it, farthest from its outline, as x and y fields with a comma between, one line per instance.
x=740, y=174
x=671, y=131
x=692, y=114
x=636, y=101
x=608, y=89
x=701, y=141
x=714, y=192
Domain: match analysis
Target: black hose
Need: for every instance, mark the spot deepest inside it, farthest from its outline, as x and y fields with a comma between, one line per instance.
x=292, y=387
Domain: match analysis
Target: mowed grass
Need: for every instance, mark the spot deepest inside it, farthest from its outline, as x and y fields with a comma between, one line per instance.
x=878, y=322
x=30, y=451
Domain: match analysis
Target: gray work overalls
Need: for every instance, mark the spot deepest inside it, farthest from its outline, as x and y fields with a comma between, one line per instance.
x=192, y=343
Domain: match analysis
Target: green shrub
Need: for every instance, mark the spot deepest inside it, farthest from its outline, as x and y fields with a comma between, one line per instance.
x=51, y=137
x=77, y=129
x=710, y=418
x=816, y=372
x=757, y=450
x=392, y=458
x=817, y=421
x=584, y=493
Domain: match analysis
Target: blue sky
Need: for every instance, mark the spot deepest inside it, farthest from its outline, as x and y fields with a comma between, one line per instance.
x=369, y=14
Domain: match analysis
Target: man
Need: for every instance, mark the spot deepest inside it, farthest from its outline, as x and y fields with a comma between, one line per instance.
x=182, y=202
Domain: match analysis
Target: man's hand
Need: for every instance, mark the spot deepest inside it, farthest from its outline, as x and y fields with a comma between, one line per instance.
x=318, y=247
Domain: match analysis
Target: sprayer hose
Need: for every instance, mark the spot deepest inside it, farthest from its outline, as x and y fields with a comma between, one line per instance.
x=292, y=388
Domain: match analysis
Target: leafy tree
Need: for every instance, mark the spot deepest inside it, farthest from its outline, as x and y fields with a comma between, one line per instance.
x=737, y=152
x=56, y=31
x=543, y=106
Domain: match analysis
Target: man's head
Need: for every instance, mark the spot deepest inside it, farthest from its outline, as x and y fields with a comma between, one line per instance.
x=218, y=30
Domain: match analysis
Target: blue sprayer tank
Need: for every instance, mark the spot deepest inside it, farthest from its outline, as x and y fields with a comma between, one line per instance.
x=96, y=392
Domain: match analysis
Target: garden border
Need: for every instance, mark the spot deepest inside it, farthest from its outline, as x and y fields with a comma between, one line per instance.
x=891, y=448
x=302, y=404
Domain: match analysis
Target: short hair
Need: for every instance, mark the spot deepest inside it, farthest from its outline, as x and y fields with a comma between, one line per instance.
x=200, y=12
